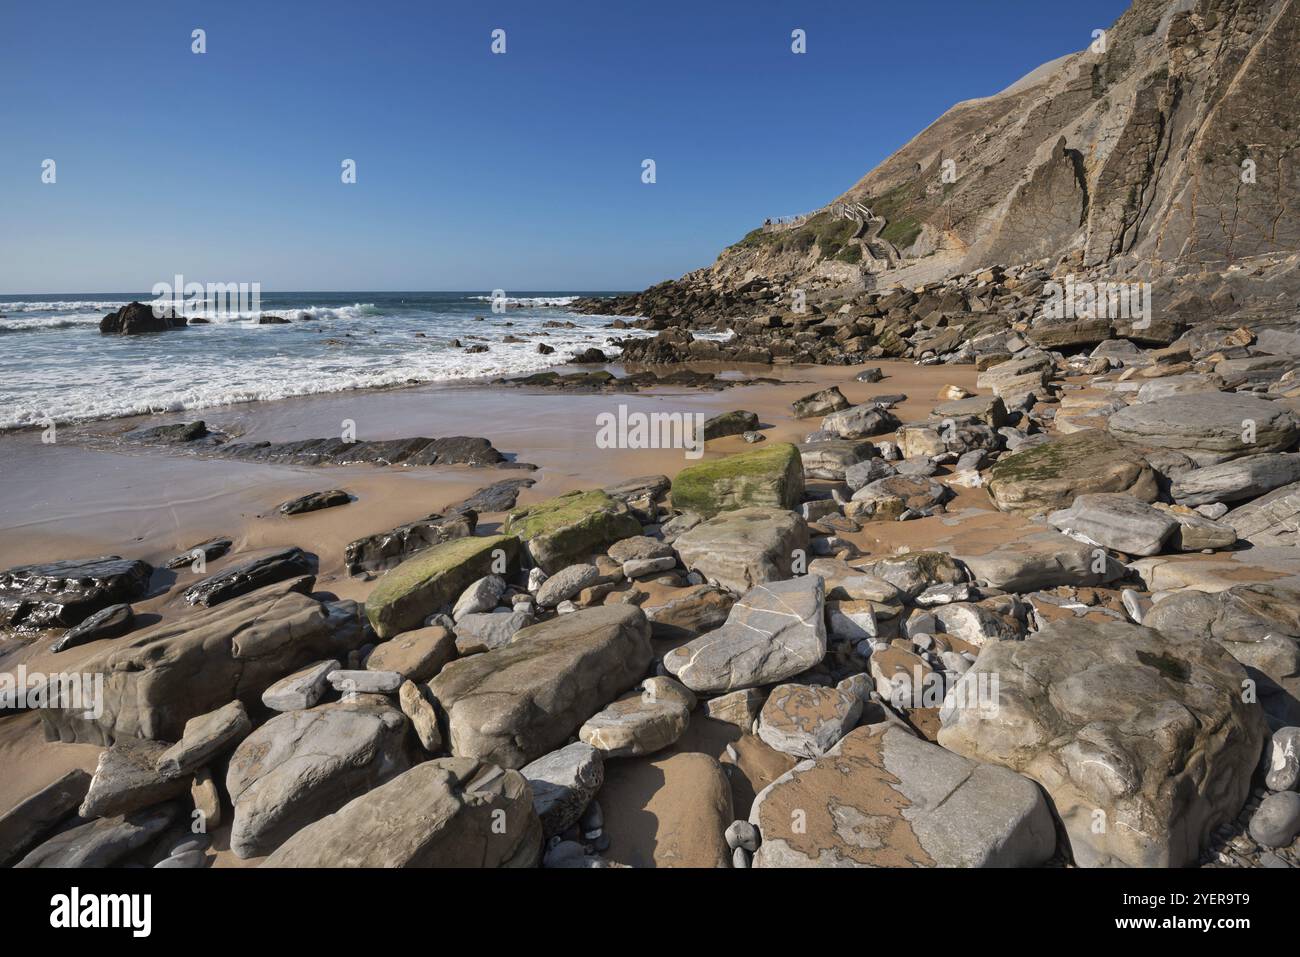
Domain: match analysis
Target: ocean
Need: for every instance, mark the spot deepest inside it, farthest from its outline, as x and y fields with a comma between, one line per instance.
x=55, y=366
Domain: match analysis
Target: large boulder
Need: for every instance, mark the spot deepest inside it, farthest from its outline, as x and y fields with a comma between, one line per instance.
x=730, y=423
x=160, y=678
x=820, y=403
x=568, y=529
x=135, y=318
x=433, y=579
x=1235, y=481
x=860, y=421
x=63, y=594
x=1049, y=475
x=303, y=765
x=1116, y=521
x=514, y=704
x=883, y=797
x=774, y=632
x=563, y=783
x=452, y=812
x=1041, y=560
x=1210, y=427
x=1142, y=740
x=23, y=825
x=744, y=548
x=768, y=476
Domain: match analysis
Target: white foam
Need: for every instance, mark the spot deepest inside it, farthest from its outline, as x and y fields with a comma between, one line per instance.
x=529, y=300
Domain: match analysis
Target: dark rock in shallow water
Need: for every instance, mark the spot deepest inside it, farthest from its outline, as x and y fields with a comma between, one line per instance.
x=590, y=355
x=136, y=318
x=497, y=497
x=272, y=321
x=63, y=594
x=171, y=434
x=211, y=550
x=454, y=450
x=249, y=575
x=314, y=502
x=383, y=550
x=111, y=622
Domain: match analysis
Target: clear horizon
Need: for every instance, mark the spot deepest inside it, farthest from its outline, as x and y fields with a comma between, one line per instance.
x=475, y=170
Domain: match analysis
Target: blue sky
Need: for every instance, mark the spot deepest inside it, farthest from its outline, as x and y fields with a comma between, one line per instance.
x=474, y=171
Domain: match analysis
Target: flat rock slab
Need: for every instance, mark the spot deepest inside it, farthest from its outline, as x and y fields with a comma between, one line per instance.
x=434, y=578
x=497, y=497
x=1244, y=478
x=819, y=403
x=23, y=826
x=1210, y=427
x=388, y=549
x=638, y=723
x=205, y=737
x=806, y=720
x=488, y=630
x=1049, y=475
x=102, y=842
x=563, y=783
x=1116, y=521
x=450, y=812
x=744, y=548
x=250, y=575
x=513, y=704
x=860, y=421
x=569, y=529
x=303, y=765
x=300, y=690
x=1044, y=560
x=1143, y=732
x=63, y=594
x=774, y=632
x=127, y=779
x=883, y=797
x=1270, y=520
x=454, y=450
x=314, y=502
x=159, y=678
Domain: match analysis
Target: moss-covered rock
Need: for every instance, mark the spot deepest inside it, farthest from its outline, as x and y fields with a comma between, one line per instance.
x=418, y=587
x=565, y=530
x=1050, y=475
x=771, y=476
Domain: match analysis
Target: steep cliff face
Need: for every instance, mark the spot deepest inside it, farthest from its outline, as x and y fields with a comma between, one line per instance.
x=1174, y=142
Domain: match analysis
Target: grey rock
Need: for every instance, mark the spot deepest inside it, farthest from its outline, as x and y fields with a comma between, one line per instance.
x=1277, y=821
x=365, y=682
x=249, y=575
x=26, y=823
x=1210, y=427
x=1235, y=481
x=300, y=690
x=127, y=779
x=806, y=720
x=745, y=547
x=102, y=842
x=111, y=622
x=63, y=594
x=772, y=633
x=563, y=783
x=303, y=765
x=205, y=737
x=1116, y=521
x=566, y=583
x=1282, y=760
x=483, y=595
x=489, y=630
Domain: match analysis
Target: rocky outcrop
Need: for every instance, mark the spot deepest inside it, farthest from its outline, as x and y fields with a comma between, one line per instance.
x=249, y=575
x=451, y=812
x=158, y=679
x=884, y=798
x=63, y=594
x=1142, y=740
x=1050, y=475
x=514, y=704
x=1209, y=427
x=303, y=765
x=136, y=318
x=384, y=550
